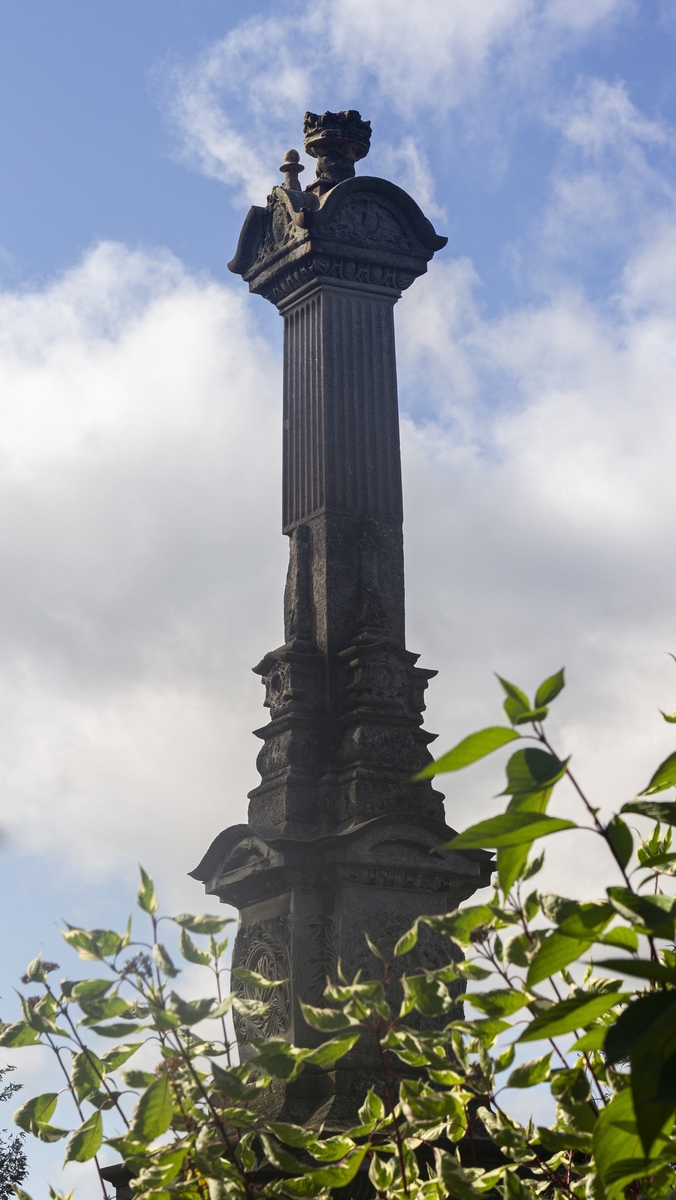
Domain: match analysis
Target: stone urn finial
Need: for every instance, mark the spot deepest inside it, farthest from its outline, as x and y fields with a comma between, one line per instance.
x=337, y=141
x=291, y=168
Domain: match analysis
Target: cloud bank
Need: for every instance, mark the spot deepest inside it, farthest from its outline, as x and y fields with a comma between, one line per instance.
x=143, y=568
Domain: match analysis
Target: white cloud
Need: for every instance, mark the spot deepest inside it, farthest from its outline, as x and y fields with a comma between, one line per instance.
x=609, y=182
x=237, y=103
x=142, y=570
x=540, y=505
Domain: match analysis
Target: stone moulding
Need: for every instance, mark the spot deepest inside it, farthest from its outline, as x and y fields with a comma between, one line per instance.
x=363, y=232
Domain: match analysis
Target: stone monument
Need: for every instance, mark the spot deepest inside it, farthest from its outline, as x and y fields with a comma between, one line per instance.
x=339, y=839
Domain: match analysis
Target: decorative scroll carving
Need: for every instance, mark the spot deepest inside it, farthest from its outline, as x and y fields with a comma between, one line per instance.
x=365, y=222
x=316, y=955
x=263, y=948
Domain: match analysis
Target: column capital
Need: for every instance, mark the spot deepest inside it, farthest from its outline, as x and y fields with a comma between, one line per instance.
x=364, y=233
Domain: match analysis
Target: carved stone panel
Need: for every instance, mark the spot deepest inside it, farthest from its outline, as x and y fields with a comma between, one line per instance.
x=316, y=957
x=367, y=222
x=263, y=947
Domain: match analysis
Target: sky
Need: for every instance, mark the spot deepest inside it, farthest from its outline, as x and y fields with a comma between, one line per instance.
x=141, y=560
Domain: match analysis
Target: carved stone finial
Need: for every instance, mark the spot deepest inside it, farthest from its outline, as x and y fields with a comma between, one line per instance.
x=291, y=168
x=337, y=141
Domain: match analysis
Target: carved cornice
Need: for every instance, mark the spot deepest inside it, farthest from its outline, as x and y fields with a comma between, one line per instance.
x=364, y=232
x=392, y=851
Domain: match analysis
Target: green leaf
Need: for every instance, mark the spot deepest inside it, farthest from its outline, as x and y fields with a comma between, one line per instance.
x=153, y=1113
x=460, y=925
x=509, y=829
x=146, y=897
x=526, y=718
x=669, y=717
x=117, y=1029
x=331, y=1051
x=381, y=1172
x=533, y=770
x=641, y=968
x=470, y=750
x=87, y=1073
x=505, y=1059
x=202, y=923
x=407, y=941
x=36, y=1112
x=618, y=1151
x=93, y=943
x=426, y=994
x=163, y=962
x=654, y=914
x=342, y=1174
x=569, y=1015
x=254, y=979
x=621, y=841
x=556, y=952
x=651, y=1061
x=512, y=859
x=292, y=1135
x=550, y=689
x=372, y=947
x=19, y=1034
x=191, y=1012
x=635, y=1022
x=113, y=1059
x=91, y=989
x=86, y=1141
x=663, y=811
x=457, y=1183
x=556, y=1140
x=586, y=920
x=664, y=777
x=501, y=1002
x=102, y=1010
x=232, y=1082
x=621, y=936
x=372, y=1110
x=594, y=1040
x=138, y=1079
x=325, y=1019
x=513, y=692
x=530, y=1073
x=191, y=952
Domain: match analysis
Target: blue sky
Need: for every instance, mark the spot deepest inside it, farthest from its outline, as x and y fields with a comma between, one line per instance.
x=141, y=560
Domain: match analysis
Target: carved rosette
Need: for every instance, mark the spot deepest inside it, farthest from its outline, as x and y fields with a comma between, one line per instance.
x=263, y=947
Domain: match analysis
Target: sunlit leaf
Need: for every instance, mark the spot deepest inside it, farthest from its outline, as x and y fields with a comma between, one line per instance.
x=470, y=750
x=664, y=777
x=509, y=829
x=153, y=1113
x=529, y=1074
x=86, y=1141
x=550, y=689
x=569, y=1015
x=146, y=897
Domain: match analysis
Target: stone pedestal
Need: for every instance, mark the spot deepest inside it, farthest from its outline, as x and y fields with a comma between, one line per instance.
x=339, y=840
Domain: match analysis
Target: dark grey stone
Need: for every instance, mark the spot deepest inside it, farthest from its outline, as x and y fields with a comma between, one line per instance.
x=339, y=840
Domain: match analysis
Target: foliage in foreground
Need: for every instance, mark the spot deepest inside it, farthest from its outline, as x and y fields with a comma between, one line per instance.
x=13, y=1165
x=592, y=985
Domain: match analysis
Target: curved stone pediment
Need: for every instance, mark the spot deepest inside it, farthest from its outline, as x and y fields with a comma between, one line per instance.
x=364, y=230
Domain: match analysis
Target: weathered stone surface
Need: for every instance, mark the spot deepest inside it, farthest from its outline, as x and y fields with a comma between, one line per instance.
x=339, y=840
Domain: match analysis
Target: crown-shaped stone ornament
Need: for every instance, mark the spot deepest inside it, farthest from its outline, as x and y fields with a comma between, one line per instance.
x=337, y=141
